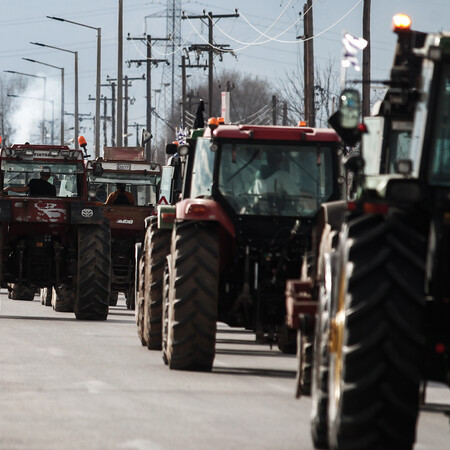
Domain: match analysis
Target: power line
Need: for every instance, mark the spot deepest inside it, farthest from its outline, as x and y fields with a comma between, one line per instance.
x=210, y=48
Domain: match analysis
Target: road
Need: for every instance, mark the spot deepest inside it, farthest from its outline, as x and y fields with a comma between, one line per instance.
x=68, y=384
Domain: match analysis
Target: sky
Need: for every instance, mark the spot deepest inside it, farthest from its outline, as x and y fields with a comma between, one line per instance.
x=263, y=39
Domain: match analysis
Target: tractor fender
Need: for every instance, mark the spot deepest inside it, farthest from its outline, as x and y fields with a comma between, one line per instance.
x=204, y=209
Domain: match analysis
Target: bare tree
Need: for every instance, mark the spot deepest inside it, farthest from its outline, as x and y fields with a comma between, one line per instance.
x=326, y=93
x=250, y=96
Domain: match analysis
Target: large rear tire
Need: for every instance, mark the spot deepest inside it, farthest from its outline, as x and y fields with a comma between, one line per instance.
x=63, y=299
x=22, y=292
x=191, y=318
x=156, y=251
x=113, y=298
x=377, y=333
x=94, y=272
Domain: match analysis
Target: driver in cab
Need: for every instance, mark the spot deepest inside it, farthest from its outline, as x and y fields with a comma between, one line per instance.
x=272, y=178
x=36, y=186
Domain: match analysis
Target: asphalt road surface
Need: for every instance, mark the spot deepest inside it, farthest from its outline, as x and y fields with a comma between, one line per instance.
x=68, y=384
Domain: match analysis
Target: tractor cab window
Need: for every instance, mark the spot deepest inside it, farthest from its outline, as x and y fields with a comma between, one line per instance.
x=202, y=170
x=143, y=188
x=275, y=179
x=440, y=144
x=65, y=177
x=399, y=144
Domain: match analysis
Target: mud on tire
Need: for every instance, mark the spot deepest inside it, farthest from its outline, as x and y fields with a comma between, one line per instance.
x=94, y=272
x=191, y=316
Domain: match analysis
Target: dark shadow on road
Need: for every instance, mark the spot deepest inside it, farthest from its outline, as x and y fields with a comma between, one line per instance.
x=235, y=341
x=120, y=313
x=268, y=352
x=436, y=408
x=270, y=373
x=67, y=319
x=60, y=319
x=234, y=331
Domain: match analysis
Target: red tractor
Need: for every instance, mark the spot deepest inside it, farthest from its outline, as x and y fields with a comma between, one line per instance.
x=125, y=166
x=51, y=241
x=250, y=201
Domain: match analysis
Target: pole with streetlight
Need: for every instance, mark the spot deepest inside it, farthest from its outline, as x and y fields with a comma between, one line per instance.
x=75, y=53
x=98, y=77
x=62, y=92
x=43, y=105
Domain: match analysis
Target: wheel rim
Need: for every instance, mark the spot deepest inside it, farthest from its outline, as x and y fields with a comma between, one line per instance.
x=336, y=347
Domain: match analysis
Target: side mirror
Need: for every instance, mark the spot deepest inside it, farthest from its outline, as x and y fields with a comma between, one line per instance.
x=97, y=169
x=349, y=107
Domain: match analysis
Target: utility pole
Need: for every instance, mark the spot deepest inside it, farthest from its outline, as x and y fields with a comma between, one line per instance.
x=105, y=117
x=149, y=61
x=113, y=113
x=210, y=48
x=308, y=63
x=119, y=75
x=184, y=66
x=366, y=61
x=274, y=110
x=126, y=84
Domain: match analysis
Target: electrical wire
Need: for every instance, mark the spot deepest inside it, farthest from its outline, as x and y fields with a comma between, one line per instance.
x=263, y=34
x=257, y=42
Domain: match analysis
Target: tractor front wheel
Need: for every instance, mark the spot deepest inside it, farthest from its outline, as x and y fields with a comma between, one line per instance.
x=94, y=272
x=155, y=253
x=191, y=305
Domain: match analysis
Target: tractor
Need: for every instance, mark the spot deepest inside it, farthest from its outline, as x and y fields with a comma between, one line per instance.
x=126, y=166
x=383, y=322
x=250, y=200
x=56, y=242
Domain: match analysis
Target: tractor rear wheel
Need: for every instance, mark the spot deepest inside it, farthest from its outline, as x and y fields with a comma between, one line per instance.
x=94, y=272
x=22, y=292
x=155, y=253
x=191, y=317
x=377, y=333
x=64, y=298
x=113, y=298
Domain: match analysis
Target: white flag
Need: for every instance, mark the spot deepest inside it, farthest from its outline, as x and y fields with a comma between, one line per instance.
x=352, y=45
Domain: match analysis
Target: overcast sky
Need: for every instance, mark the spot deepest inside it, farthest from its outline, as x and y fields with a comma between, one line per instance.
x=273, y=24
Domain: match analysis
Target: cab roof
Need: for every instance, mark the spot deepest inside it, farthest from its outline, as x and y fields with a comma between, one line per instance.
x=272, y=132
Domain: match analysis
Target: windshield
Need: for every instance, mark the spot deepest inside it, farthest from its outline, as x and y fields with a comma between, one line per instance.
x=65, y=177
x=142, y=187
x=276, y=179
x=440, y=145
